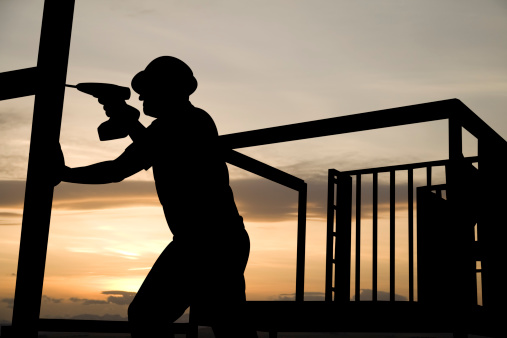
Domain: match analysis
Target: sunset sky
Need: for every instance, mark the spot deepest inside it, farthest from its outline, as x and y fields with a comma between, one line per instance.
x=259, y=64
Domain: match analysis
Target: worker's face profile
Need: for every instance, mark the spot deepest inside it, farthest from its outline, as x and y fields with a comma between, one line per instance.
x=158, y=99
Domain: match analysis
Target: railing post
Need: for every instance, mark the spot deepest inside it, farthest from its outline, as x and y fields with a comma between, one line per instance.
x=330, y=233
x=301, y=244
x=492, y=228
x=51, y=71
x=358, y=239
x=392, y=234
x=461, y=181
x=410, y=234
x=455, y=139
x=374, y=275
x=343, y=238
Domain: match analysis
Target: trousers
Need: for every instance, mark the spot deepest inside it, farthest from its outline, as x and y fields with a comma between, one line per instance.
x=205, y=272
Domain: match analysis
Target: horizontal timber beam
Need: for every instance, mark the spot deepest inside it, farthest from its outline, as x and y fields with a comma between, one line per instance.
x=18, y=83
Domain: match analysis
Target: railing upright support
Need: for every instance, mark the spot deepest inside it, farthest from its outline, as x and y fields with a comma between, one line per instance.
x=410, y=235
x=358, y=239
x=301, y=244
x=343, y=238
x=392, y=235
x=374, y=274
x=330, y=234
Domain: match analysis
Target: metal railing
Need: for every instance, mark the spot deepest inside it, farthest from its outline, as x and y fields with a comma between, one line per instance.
x=339, y=228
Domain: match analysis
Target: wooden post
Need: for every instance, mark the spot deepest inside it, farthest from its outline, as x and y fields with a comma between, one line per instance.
x=50, y=88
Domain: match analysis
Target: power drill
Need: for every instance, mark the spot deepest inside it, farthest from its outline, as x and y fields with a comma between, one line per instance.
x=114, y=128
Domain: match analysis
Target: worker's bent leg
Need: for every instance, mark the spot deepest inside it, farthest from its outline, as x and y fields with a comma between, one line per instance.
x=226, y=301
x=163, y=296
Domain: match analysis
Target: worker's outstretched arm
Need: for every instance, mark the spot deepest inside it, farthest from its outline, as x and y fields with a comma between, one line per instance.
x=136, y=130
x=103, y=172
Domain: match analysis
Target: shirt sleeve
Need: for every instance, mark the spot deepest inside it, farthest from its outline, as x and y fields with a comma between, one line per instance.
x=137, y=153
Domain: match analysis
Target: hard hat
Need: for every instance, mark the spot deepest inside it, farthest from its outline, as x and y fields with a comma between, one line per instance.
x=165, y=71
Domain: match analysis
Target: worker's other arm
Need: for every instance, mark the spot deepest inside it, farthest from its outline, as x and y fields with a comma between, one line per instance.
x=103, y=172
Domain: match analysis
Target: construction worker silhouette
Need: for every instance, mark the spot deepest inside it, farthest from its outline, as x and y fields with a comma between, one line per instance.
x=204, y=264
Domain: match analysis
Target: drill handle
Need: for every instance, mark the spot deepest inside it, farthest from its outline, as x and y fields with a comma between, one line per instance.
x=114, y=107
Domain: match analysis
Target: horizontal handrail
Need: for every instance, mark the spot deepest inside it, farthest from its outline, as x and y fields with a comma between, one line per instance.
x=259, y=168
x=419, y=165
x=418, y=113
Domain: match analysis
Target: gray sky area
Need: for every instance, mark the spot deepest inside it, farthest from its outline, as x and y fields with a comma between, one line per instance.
x=267, y=63
x=259, y=64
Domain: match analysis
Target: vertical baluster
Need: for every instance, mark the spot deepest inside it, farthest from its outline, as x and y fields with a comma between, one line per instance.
x=392, y=234
x=301, y=243
x=358, y=236
x=375, y=237
x=343, y=238
x=331, y=233
x=410, y=235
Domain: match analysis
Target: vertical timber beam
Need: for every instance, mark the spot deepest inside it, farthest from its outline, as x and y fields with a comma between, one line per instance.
x=301, y=244
x=52, y=64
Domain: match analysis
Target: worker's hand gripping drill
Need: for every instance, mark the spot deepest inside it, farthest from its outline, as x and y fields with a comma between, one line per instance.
x=123, y=119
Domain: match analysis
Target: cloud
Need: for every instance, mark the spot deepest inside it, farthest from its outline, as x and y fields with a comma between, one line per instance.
x=13, y=193
x=367, y=294
x=85, y=301
x=8, y=301
x=10, y=218
x=107, y=316
x=261, y=200
x=258, y=199
x=47, y=299
x=308, y=296
x=117, y=297
x=69, y=196
x=10, y=214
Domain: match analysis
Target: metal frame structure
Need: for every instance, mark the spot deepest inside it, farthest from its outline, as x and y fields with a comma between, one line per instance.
x=338, y=256
x=47, y=82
